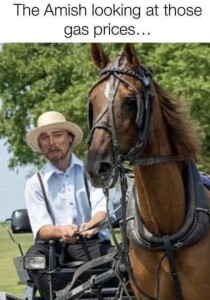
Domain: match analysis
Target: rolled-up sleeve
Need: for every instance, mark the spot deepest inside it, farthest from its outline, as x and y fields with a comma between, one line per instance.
x=36, y=206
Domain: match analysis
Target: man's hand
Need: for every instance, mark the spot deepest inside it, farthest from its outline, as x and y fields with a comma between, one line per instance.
x=85, y=232
x=93, y=222
x=69, y=233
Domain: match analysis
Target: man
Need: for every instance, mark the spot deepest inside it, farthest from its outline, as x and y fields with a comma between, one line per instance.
x=60, y=203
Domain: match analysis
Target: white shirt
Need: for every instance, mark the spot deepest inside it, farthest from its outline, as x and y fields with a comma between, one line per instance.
x=66, y=195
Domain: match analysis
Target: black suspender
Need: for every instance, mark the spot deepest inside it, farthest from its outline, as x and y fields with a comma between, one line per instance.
x=45, y=198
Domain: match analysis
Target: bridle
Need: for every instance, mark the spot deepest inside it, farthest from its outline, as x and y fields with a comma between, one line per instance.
x=115, y=75
x=144, y=101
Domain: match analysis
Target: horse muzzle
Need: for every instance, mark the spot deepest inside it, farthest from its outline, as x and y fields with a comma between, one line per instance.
x=102, y=174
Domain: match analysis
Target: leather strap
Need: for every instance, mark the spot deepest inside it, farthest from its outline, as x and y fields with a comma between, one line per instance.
x=172, y=264
x=45, y=198
x=87, y=188
x=148, y=161
x=108, y=258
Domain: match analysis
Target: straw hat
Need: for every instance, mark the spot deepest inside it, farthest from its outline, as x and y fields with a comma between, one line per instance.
x=52, y=120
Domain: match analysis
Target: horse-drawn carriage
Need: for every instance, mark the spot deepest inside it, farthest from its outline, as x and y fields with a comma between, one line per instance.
x=76, y=280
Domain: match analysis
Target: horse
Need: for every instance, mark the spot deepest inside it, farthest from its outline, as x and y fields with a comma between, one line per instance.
x=134, y=120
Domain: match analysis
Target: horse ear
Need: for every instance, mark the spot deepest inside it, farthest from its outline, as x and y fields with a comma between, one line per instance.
x=99, y=58
x=130, y=53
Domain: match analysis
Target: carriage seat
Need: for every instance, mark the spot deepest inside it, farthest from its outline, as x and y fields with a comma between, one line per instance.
x=20, y=221
x=19, y=224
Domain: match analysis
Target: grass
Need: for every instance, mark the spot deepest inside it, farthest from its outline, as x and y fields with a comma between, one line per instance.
x=8, y=250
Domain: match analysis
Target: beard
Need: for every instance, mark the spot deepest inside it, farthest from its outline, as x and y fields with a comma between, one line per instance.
x=55, y=155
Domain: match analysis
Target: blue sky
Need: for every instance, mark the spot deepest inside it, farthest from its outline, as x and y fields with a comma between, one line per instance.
x=12, y=185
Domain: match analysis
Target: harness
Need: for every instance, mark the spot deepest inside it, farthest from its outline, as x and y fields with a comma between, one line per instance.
x=197, y=218
x=194, y=227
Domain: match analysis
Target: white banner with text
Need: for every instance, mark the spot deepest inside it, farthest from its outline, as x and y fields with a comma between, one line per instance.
x=81, y=21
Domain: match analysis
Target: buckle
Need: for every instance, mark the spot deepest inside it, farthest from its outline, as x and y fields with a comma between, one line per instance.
x=150, y=161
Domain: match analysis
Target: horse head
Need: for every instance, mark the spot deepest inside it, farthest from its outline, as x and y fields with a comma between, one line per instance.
x=119, y=113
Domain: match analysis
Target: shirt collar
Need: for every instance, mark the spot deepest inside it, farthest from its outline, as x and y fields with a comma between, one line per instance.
x=49, y=169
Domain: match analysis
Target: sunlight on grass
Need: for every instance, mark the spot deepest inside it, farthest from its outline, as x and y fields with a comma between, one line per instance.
x=8, y=250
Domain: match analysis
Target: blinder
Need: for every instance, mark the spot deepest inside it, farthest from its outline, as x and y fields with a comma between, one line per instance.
x=147, y=96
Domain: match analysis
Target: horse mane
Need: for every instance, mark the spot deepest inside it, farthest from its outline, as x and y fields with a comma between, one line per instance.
x=181, y=129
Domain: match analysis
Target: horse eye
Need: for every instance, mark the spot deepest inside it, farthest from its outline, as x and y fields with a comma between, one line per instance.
x=129, y=102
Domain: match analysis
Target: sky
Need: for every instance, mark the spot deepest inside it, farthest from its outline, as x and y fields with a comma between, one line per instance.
x=12, y=185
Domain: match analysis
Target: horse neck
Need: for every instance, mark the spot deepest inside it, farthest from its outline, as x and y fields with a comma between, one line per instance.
x=161, y=197
x=160, y=187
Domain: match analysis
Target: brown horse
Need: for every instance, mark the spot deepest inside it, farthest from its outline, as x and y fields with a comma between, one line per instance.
x=133, y=119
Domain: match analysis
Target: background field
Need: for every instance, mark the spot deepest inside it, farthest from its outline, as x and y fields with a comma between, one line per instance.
x=8, y=250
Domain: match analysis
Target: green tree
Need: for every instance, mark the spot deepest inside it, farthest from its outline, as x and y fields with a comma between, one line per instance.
x=39, y=77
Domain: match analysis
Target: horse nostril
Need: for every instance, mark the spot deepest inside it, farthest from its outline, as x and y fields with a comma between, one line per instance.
x=104, y=168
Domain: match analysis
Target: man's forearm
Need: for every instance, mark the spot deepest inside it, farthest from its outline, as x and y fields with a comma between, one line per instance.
x=97, y=218
x=49, y=232
x=66, y=232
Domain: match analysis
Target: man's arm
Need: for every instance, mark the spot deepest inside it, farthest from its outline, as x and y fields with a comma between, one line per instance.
x=68, y=233
x=96, y=219
x=41, y=222
x=98, y=211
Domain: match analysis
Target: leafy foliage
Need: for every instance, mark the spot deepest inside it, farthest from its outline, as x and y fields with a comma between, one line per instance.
x=183, y=69
x=35, y=78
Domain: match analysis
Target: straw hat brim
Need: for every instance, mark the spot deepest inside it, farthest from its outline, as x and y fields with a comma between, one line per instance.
x=33, y=135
